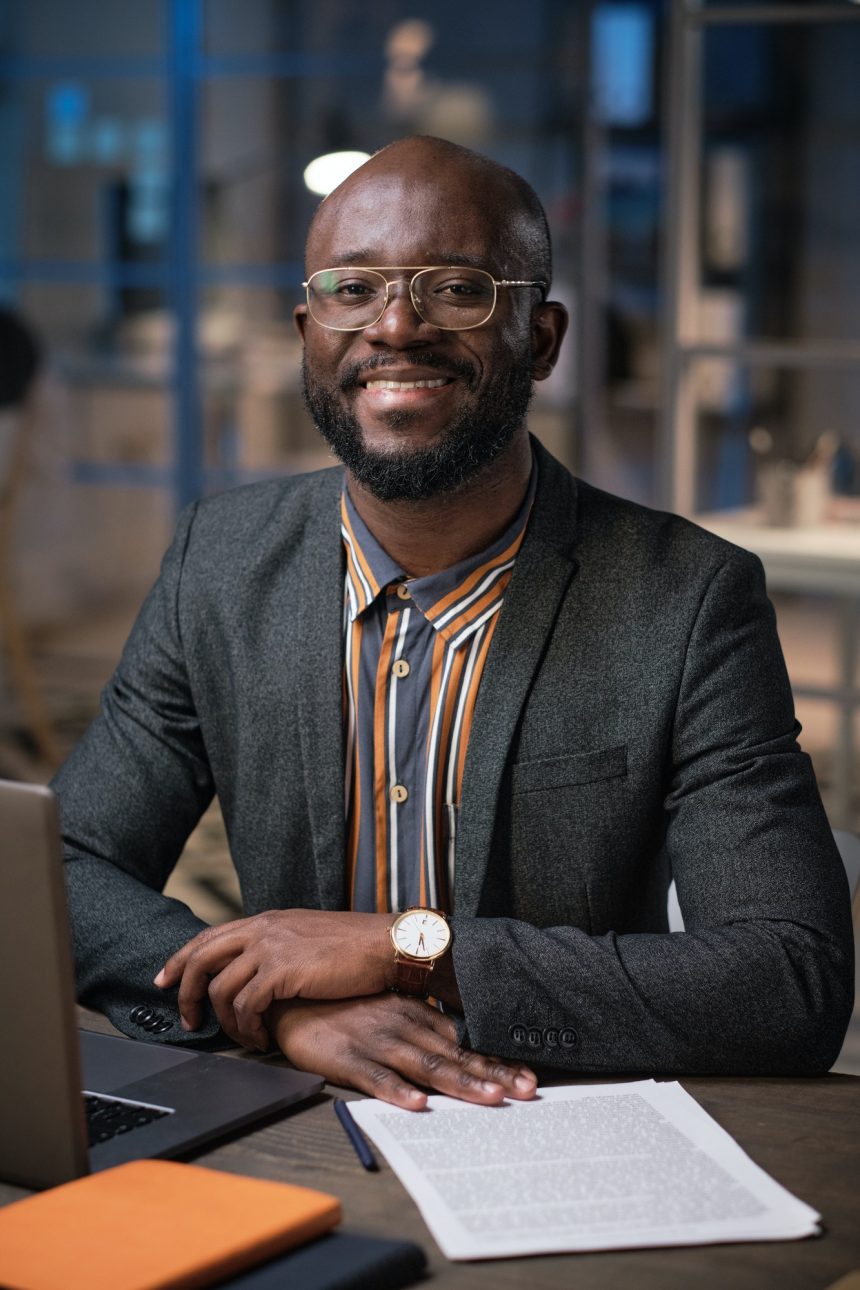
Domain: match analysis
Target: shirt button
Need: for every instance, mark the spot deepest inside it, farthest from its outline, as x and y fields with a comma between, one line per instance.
x=401, y=667
x=402, y=591
x=398, y=793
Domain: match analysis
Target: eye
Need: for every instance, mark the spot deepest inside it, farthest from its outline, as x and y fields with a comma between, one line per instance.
x=459, y=288
x=347, y=287
x=353, y=289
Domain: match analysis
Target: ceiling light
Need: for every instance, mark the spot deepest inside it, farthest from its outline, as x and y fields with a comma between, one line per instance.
x=326, y=172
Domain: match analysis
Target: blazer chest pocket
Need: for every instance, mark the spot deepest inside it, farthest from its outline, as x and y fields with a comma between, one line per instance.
x=569, y=770
x=562, y=810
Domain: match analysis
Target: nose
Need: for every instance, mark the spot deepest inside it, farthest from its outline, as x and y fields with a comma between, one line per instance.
x=400, y=325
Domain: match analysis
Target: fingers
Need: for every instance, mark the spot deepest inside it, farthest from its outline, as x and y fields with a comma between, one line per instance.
x=205, y=942
x=225, y=994
x=388, y=1046
x=196, y=963
x=431, y=1057
x=194, y=986
x=436, y=1036
x=384, y=1083
x=517, y=1081
x=240, y=994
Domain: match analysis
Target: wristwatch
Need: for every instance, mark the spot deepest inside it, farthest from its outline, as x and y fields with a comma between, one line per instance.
x=420, y=938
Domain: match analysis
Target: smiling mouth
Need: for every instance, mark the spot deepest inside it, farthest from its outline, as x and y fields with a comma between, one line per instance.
x=408, y=385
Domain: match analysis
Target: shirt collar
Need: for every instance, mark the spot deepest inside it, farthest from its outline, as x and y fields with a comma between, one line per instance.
x=455, y=601
x=368, y=567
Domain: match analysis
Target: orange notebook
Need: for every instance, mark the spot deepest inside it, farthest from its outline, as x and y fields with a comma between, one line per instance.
x=153, y=1224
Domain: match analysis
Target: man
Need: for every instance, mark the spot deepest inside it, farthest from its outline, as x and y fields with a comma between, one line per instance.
x=538, y=702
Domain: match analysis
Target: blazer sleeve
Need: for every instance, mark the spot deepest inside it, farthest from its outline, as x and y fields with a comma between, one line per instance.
x=129, y=796
x=761, y=981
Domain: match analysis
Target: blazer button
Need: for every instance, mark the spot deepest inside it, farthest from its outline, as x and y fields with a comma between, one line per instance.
x=141, y=1014
x=568, y=1038
x=518, y=1033
x=535, y=1037
x=161, y=1027
x=550, y=1037
x=153, y=1020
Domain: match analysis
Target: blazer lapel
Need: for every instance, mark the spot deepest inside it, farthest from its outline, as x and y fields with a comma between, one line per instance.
x=543, y=572
x=321, y=689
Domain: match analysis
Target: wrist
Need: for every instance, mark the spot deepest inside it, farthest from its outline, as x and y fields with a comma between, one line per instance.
x=384, y=953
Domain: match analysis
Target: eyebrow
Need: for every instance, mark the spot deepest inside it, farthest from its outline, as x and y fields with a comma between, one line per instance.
x=359, y=258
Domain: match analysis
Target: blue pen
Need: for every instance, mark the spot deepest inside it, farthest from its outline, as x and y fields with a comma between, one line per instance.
x=355, y=1135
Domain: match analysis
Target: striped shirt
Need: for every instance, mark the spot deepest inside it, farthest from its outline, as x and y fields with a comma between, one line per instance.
x=414, y=653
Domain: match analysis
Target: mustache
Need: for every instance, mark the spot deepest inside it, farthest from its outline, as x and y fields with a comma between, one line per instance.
x=420, y=357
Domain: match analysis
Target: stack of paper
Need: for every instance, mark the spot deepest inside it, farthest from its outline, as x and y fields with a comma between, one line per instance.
x=609, y=1166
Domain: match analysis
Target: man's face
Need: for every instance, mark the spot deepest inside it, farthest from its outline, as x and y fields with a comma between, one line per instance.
x=415, y=441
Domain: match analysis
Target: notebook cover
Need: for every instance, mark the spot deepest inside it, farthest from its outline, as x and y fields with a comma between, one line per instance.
x=154, y=1224
x=339, y=1261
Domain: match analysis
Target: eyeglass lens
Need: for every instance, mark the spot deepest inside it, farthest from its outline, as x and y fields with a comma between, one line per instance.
x=453, y=298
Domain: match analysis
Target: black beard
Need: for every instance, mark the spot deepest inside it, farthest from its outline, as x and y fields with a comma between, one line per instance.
x=476, y=436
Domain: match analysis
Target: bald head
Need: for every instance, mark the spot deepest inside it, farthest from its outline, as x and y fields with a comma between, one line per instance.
x=445, y=172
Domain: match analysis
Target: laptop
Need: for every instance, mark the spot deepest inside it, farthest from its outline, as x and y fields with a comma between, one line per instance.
x=73, y=1102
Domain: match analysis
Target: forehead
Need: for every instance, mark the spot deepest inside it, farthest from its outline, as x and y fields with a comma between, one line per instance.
x=412, y=217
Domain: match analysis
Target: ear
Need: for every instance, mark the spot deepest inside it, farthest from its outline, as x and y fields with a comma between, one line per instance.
x=300, y=318
x=549, y=323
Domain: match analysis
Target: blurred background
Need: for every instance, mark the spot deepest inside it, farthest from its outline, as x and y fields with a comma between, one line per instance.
x=700, y=165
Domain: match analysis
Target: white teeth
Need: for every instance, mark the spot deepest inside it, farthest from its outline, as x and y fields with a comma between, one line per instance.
x=406, y=385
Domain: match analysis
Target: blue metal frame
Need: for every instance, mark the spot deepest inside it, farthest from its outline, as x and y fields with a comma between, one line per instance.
x=185, y=33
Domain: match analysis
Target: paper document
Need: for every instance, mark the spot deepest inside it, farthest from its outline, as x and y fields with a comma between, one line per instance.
x=607, y=1166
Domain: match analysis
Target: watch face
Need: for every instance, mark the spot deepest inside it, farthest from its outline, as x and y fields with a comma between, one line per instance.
x=421, y=934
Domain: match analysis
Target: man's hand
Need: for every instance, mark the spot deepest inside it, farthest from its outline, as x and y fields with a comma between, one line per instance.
x=246, y=965
x=387, y=1045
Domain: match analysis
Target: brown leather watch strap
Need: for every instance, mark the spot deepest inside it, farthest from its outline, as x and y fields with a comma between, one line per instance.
x=411, y=977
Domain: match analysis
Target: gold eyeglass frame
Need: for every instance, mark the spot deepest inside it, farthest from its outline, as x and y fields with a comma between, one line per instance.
x=419, y=269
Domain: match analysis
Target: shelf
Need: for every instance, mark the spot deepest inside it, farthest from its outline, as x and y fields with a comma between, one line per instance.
x=776, y=353
x=762, y=14
x=816, y=558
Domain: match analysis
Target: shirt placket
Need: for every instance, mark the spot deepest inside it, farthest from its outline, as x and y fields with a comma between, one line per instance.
x=400, y=783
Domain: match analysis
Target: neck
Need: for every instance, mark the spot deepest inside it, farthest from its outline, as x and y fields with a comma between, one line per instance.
x=436, y=533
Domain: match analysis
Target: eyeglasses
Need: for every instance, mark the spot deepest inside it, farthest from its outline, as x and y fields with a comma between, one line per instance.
x=448, y=296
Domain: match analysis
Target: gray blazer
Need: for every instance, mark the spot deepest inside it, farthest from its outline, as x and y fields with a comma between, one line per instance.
x=634, y=722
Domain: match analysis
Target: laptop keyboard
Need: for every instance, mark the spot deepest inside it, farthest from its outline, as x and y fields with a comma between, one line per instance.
x=109, y=1116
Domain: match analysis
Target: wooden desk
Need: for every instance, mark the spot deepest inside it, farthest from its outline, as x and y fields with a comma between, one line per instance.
x=806, y=1133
